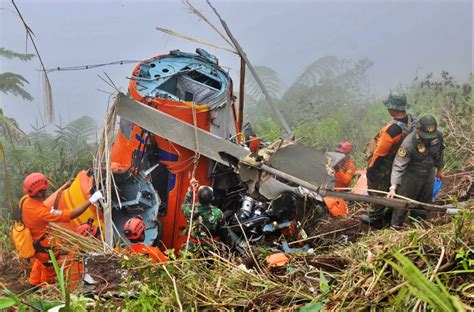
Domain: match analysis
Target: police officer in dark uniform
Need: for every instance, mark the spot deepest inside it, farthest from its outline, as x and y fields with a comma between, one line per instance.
x=381, y=155
x=419, y=158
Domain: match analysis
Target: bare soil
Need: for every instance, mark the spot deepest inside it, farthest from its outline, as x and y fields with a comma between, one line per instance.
x=13, y=272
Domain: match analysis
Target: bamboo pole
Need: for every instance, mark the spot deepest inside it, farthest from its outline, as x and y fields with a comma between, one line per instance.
x=242, y=54
x=241, y=93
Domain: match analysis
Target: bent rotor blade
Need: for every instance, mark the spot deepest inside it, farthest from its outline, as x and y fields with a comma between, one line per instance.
x=177, y=131
x=304, y=163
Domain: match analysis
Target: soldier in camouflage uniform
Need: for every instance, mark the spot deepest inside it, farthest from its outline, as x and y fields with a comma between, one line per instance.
x=206, y=218
x=381, y=158
x=414, y=167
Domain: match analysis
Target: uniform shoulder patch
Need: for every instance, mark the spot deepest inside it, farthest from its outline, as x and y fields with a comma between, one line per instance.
x=434, y=142
x=56, y=212
x=402, y=152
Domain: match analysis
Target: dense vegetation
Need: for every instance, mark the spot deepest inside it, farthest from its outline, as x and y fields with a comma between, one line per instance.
x=59, y=155
x=330, y=102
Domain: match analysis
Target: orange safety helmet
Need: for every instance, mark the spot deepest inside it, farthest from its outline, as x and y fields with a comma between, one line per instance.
x=344, y=147
x=336, y=206
x=134, y=228
x=34, y=183
x=87, y=229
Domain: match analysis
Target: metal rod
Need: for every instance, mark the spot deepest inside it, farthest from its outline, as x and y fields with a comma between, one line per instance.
x=241, y=94
x=393, y=203
x=242, y=54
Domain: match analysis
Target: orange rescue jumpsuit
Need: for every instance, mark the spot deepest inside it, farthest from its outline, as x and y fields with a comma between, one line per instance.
x=36, y=217
x=345, y=173
x=380, y=166
x=387, y=142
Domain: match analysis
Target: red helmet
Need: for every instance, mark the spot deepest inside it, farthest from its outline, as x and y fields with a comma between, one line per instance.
x=134, y=227
x=34, y=183
x=87, y=229
x=344, y=147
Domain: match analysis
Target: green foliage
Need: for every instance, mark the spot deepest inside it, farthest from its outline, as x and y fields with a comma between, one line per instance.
x=319, y=105
x=451, y=103
x=14, y=84
x=420, y=286
x=9, y=54
x=6, y=245
x=8, y=302
x=79, y=303
x=267, y=128
x=59, y=155
x=322, y=134
x=328, y=103
x=62, y=280
x=11, y=82
x=466, y=258
x=147, y=300
x=11, y=300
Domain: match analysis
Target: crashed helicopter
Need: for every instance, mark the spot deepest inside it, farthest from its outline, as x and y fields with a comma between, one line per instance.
x=179, y=121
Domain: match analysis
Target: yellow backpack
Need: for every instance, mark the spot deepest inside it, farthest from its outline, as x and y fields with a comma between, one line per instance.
x=21, y=237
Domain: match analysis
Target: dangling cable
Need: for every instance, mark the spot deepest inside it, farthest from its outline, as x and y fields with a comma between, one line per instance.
x=193, y=181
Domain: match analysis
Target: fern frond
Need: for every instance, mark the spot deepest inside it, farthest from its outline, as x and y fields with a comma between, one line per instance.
x=270, y=79
x=9, y=54
x=14, y=83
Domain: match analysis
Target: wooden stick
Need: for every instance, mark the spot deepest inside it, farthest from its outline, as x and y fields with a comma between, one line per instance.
x=323, y=234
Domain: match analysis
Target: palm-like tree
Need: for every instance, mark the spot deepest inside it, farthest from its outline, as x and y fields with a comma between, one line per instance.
x=12, y=83
x=322, y=87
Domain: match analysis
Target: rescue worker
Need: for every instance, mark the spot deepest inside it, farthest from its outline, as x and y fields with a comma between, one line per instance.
x=134, y=230
x=386, y=144
x=76, y=268
x=87, y=229
x=345, y=169
x=37, y=216
x=418, y=159
x=206, y=218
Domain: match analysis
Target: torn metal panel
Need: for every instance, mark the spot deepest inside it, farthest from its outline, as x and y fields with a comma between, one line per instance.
x=250, y=176
x=273, y=188
x=304, y=163
x=177, y=131
x=334, y=158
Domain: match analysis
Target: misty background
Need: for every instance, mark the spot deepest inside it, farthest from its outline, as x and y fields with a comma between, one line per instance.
x=404, y=39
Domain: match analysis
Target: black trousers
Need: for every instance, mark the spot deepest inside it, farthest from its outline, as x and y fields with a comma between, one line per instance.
x=417, y=185
x=378, y=178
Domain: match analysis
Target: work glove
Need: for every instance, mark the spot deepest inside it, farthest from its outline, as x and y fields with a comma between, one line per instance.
x=194, y=184
x=96, y=197
x=392, y=192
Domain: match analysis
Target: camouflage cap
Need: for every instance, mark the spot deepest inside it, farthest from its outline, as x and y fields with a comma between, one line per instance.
x=426, y=127
x=397, y=101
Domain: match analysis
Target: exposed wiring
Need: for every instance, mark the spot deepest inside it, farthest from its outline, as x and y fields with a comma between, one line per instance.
x=91, y=66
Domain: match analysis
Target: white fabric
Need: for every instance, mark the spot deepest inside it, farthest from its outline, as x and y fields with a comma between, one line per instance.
x=96, y=197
